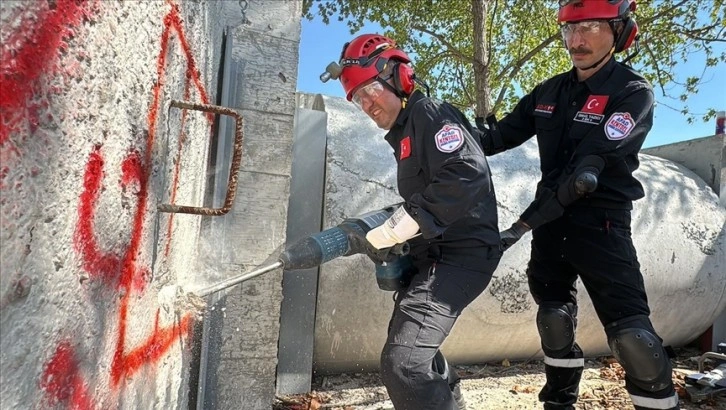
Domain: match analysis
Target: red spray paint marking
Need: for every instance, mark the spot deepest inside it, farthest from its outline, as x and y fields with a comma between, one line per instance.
x=177, y=170
x=126, y=364
x=134, y=171
x=103, y=265
x=21, y=68
x=62, y=381
x=152, y=350
x=95, y=262
x=192, y=74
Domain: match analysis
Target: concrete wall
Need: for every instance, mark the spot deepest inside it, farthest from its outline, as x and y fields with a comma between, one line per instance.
x=704, y=156
x=241, y=346
x=707, y=158
x=88, y=147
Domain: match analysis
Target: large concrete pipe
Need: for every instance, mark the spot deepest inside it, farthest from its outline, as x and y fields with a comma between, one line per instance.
x=678, y=229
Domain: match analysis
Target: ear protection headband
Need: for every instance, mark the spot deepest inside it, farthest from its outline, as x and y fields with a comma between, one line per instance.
x=627, y=35
x=403, y=78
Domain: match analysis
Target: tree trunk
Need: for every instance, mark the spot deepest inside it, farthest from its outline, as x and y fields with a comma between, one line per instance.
x=481, y=57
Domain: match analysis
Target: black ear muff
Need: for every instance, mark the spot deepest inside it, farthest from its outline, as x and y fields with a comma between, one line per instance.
x=403, y=79
x=627, y=35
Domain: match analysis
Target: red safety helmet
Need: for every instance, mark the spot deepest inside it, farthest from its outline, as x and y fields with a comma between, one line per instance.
x=610, y=10
x=366, y=56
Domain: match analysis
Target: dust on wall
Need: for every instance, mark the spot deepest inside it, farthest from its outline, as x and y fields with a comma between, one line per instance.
x=88, y=148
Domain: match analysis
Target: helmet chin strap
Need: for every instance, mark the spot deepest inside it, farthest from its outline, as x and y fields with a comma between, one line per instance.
x=608, y=54
x=386, y=84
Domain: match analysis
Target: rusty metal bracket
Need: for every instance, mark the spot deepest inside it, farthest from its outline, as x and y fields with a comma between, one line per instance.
x=233, y=169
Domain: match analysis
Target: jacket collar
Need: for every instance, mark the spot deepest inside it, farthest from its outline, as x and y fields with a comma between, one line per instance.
x=597, y=80
x=406, y=111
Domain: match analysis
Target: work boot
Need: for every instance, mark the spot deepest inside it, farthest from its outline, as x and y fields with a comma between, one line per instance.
x=458, y=395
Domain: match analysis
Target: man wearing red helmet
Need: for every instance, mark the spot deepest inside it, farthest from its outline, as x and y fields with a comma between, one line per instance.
x=590, y=123
x=449, y=218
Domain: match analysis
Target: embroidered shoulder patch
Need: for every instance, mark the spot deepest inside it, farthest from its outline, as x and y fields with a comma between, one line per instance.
x=449, y=138
x=619, y=125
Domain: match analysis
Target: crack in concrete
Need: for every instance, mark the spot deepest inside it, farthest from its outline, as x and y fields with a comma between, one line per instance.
x=358, y=175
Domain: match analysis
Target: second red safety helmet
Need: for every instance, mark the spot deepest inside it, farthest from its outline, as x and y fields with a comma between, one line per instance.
x=365, y=57
x=579, y=10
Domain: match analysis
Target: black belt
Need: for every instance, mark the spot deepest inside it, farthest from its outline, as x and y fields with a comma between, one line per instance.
x=601, y=203
x=469, y=258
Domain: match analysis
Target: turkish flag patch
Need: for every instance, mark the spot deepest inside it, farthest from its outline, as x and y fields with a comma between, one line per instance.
x=595, y=104
x=405, y=148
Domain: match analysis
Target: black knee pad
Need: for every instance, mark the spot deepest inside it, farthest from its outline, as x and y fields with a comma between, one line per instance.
x=641, y=353
x=556, y=324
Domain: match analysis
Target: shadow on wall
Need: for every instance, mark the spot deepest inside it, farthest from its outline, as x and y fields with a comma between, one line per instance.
x=670, y=183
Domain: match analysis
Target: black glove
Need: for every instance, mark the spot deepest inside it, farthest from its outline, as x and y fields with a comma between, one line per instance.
x=582, y=181
x=379, y=256
x=512, y=235
x=545, y=208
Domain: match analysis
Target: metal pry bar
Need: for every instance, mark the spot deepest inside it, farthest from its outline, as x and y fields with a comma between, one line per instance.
x=236, y=280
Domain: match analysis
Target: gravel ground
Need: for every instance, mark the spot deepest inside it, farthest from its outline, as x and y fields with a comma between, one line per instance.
x=499, y=386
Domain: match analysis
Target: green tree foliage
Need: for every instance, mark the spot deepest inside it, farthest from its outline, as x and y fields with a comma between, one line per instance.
x=483, y=55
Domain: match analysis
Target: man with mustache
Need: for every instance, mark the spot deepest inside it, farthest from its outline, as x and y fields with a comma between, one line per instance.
x=448, y=217
x=590, y=123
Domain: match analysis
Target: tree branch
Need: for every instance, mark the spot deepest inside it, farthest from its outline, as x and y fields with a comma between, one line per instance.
x=658, y=71
x=514, y=66
x=452, y=48
x=664, y=12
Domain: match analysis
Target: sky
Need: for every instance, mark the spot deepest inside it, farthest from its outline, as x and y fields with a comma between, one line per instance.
x=320, y=44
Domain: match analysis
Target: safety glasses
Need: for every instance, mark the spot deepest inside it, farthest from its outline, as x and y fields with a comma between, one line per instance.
x=368, y=93
x=584, y=28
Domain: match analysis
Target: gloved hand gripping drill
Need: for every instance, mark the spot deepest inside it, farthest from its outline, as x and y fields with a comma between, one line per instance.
x=393, y=265
x=349, y=238
x=550, y=205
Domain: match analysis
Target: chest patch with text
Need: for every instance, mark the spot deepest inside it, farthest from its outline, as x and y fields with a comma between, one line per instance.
x=449, y=138
x=592, y=111
x=619, y=126
x=544, y=109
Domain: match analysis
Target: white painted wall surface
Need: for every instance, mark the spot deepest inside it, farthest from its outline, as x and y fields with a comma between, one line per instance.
x=89, y=147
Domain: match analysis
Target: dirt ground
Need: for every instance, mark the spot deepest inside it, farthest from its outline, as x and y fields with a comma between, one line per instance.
x=501, y=386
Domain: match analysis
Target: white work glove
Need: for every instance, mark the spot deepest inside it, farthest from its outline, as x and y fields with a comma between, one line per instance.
x=399, y=228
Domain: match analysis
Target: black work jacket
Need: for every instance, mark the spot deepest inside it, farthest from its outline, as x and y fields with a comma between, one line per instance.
x=444, y=178
x=609, y=115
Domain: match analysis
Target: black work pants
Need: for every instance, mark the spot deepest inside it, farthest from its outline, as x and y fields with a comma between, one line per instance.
x=412, y=366
x=595, y=245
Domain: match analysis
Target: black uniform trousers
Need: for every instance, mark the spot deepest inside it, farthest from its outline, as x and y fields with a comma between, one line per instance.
x=413, y=369
x=596, y=245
